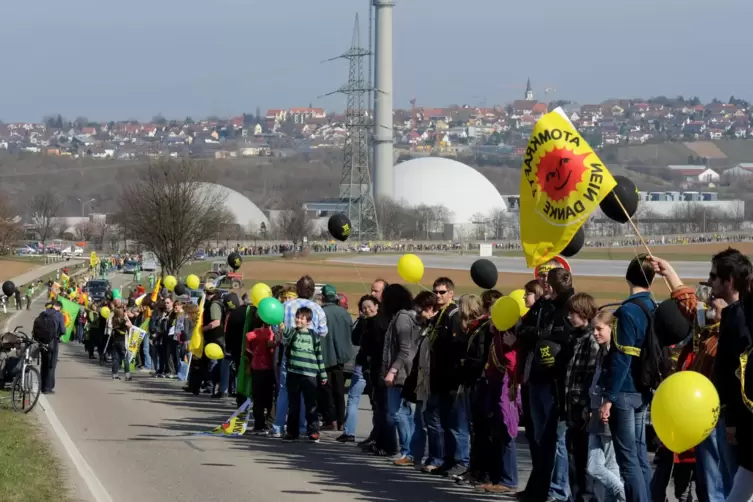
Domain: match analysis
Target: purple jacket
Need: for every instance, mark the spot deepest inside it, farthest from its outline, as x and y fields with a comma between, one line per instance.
x=502, y=404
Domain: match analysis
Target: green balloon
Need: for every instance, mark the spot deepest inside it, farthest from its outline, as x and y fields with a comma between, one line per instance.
x=271, y=311
x=116, y=294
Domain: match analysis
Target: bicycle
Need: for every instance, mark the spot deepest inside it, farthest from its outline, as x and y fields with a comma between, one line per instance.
x=26, y=386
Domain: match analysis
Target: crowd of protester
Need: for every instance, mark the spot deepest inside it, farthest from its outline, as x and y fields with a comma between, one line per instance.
x=449, y=392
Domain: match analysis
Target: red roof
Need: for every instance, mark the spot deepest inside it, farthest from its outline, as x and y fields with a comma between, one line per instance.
x=539, y=108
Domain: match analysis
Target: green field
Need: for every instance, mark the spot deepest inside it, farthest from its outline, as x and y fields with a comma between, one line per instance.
x=29, y=471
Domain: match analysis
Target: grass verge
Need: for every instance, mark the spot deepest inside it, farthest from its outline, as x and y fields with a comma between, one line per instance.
x=28, y=467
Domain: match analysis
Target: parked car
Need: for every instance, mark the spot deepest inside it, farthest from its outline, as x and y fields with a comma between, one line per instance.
x=75, y=251
x=200, y=255
x=149, y=262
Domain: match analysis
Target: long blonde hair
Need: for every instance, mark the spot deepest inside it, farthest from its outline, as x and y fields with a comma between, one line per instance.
x=471, y=308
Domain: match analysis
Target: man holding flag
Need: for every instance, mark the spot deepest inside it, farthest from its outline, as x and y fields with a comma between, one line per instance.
x=562, y=182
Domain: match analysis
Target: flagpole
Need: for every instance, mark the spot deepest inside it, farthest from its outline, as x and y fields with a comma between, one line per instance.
x=638, y=233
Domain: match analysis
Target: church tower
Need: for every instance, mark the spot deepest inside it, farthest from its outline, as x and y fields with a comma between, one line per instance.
x=529, y=91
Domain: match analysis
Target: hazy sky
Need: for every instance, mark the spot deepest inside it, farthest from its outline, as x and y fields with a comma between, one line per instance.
x=108, y=59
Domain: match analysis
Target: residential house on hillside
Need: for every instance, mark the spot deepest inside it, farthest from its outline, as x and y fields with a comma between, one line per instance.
x=695, y=174
x=301, y=115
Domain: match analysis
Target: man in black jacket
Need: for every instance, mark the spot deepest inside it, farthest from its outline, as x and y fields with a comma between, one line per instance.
x=729, y=275
x=449, y=442
x=550, y=346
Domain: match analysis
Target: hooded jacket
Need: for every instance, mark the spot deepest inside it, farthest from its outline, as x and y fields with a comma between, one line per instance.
x=337, y=346
x=400, y=343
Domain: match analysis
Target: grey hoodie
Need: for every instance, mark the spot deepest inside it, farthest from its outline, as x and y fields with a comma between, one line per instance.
x=400, y=343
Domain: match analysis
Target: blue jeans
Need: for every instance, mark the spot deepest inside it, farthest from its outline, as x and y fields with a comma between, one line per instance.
x=448, y=428
x=400, y=418
x=281, y=409
x=147, y=353
x=418, y=439
x=627, y=421
x=559, y=488
x=460, y=426
x=716, y=463
x=221, y=373
x=357, y=386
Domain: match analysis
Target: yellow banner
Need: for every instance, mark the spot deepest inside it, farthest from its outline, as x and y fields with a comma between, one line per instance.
x=562, y=182
x=196, y=344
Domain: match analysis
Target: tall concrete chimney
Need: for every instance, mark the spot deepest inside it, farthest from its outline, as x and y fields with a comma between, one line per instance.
x=383, y=135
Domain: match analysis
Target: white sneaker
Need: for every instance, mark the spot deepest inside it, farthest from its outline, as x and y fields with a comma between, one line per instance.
x=276, y=435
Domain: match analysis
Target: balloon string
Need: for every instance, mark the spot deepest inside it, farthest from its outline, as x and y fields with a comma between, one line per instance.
x=363, y=283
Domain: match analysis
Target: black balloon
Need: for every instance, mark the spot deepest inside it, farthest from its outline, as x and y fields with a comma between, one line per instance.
x=670, y=325
x=231, y=301
x=235, y=261
x=484, y=273
x=339, y=226
x=575, y=244
x=627, y=192
x=9, y=288
x=180, y=289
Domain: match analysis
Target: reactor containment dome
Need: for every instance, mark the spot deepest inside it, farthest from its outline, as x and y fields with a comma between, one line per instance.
x=246, y=213
x=437, y=181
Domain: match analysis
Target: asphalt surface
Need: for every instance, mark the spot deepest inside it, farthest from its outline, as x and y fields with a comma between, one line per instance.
x=597, y=268
x=138, y=439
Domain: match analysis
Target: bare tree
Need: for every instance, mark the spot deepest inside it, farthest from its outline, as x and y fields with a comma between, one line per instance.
x=10, y=225
x=101, y=230
x=480, y=224
x=84, y=230
x=45, y=208
x=396, y=221
x=294, y=224
x=170, y=212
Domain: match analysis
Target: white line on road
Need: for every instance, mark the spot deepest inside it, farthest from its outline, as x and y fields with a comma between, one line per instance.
x=95, y=486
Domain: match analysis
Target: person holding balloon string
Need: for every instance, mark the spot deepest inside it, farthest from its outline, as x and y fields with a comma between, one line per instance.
x=723, y=434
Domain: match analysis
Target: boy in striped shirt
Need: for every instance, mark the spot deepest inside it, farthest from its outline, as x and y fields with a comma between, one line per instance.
x=304, y=365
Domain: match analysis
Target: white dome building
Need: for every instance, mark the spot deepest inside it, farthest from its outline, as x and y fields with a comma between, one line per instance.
x=246, y=213
x=435, y=181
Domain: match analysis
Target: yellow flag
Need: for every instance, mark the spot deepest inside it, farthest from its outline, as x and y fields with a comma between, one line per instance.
x=562, y=182
x=196, y=345
x=93, y=259
x=157, y=287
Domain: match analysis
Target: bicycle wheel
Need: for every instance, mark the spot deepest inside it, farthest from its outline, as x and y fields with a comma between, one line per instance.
x=24, y=393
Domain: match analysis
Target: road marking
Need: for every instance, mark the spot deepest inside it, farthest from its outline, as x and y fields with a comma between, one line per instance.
x=96, y=488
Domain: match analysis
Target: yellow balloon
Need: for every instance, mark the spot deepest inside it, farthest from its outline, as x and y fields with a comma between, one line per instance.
x=214, y=352
x=193, y=281
x=105, y=312
x=505, y=313
x=520, y=297
x=259, y=292
x=684, y=410
x=411, y=268
x=170, y=282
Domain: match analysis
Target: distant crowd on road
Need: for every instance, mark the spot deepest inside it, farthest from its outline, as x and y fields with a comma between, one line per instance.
x=434, y=247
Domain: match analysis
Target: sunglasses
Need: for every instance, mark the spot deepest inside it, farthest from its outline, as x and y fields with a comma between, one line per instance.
x=713, y=276
x=440, y=292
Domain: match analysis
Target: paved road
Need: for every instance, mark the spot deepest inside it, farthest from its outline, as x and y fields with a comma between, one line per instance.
x=602, y=268
x=137, y=439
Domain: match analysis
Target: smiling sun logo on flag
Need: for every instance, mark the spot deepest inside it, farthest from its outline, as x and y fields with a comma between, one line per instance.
x=68, y=320
x=559, y=172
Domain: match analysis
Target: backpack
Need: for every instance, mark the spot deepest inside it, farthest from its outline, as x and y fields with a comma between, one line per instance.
x=655, y=360
x=45, y=327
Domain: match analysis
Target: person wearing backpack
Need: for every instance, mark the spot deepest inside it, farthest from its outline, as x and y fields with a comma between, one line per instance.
x=48, y=327
x=626, y=381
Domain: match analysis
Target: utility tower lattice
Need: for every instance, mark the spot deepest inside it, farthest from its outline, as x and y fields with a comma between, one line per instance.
x=356, y=188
